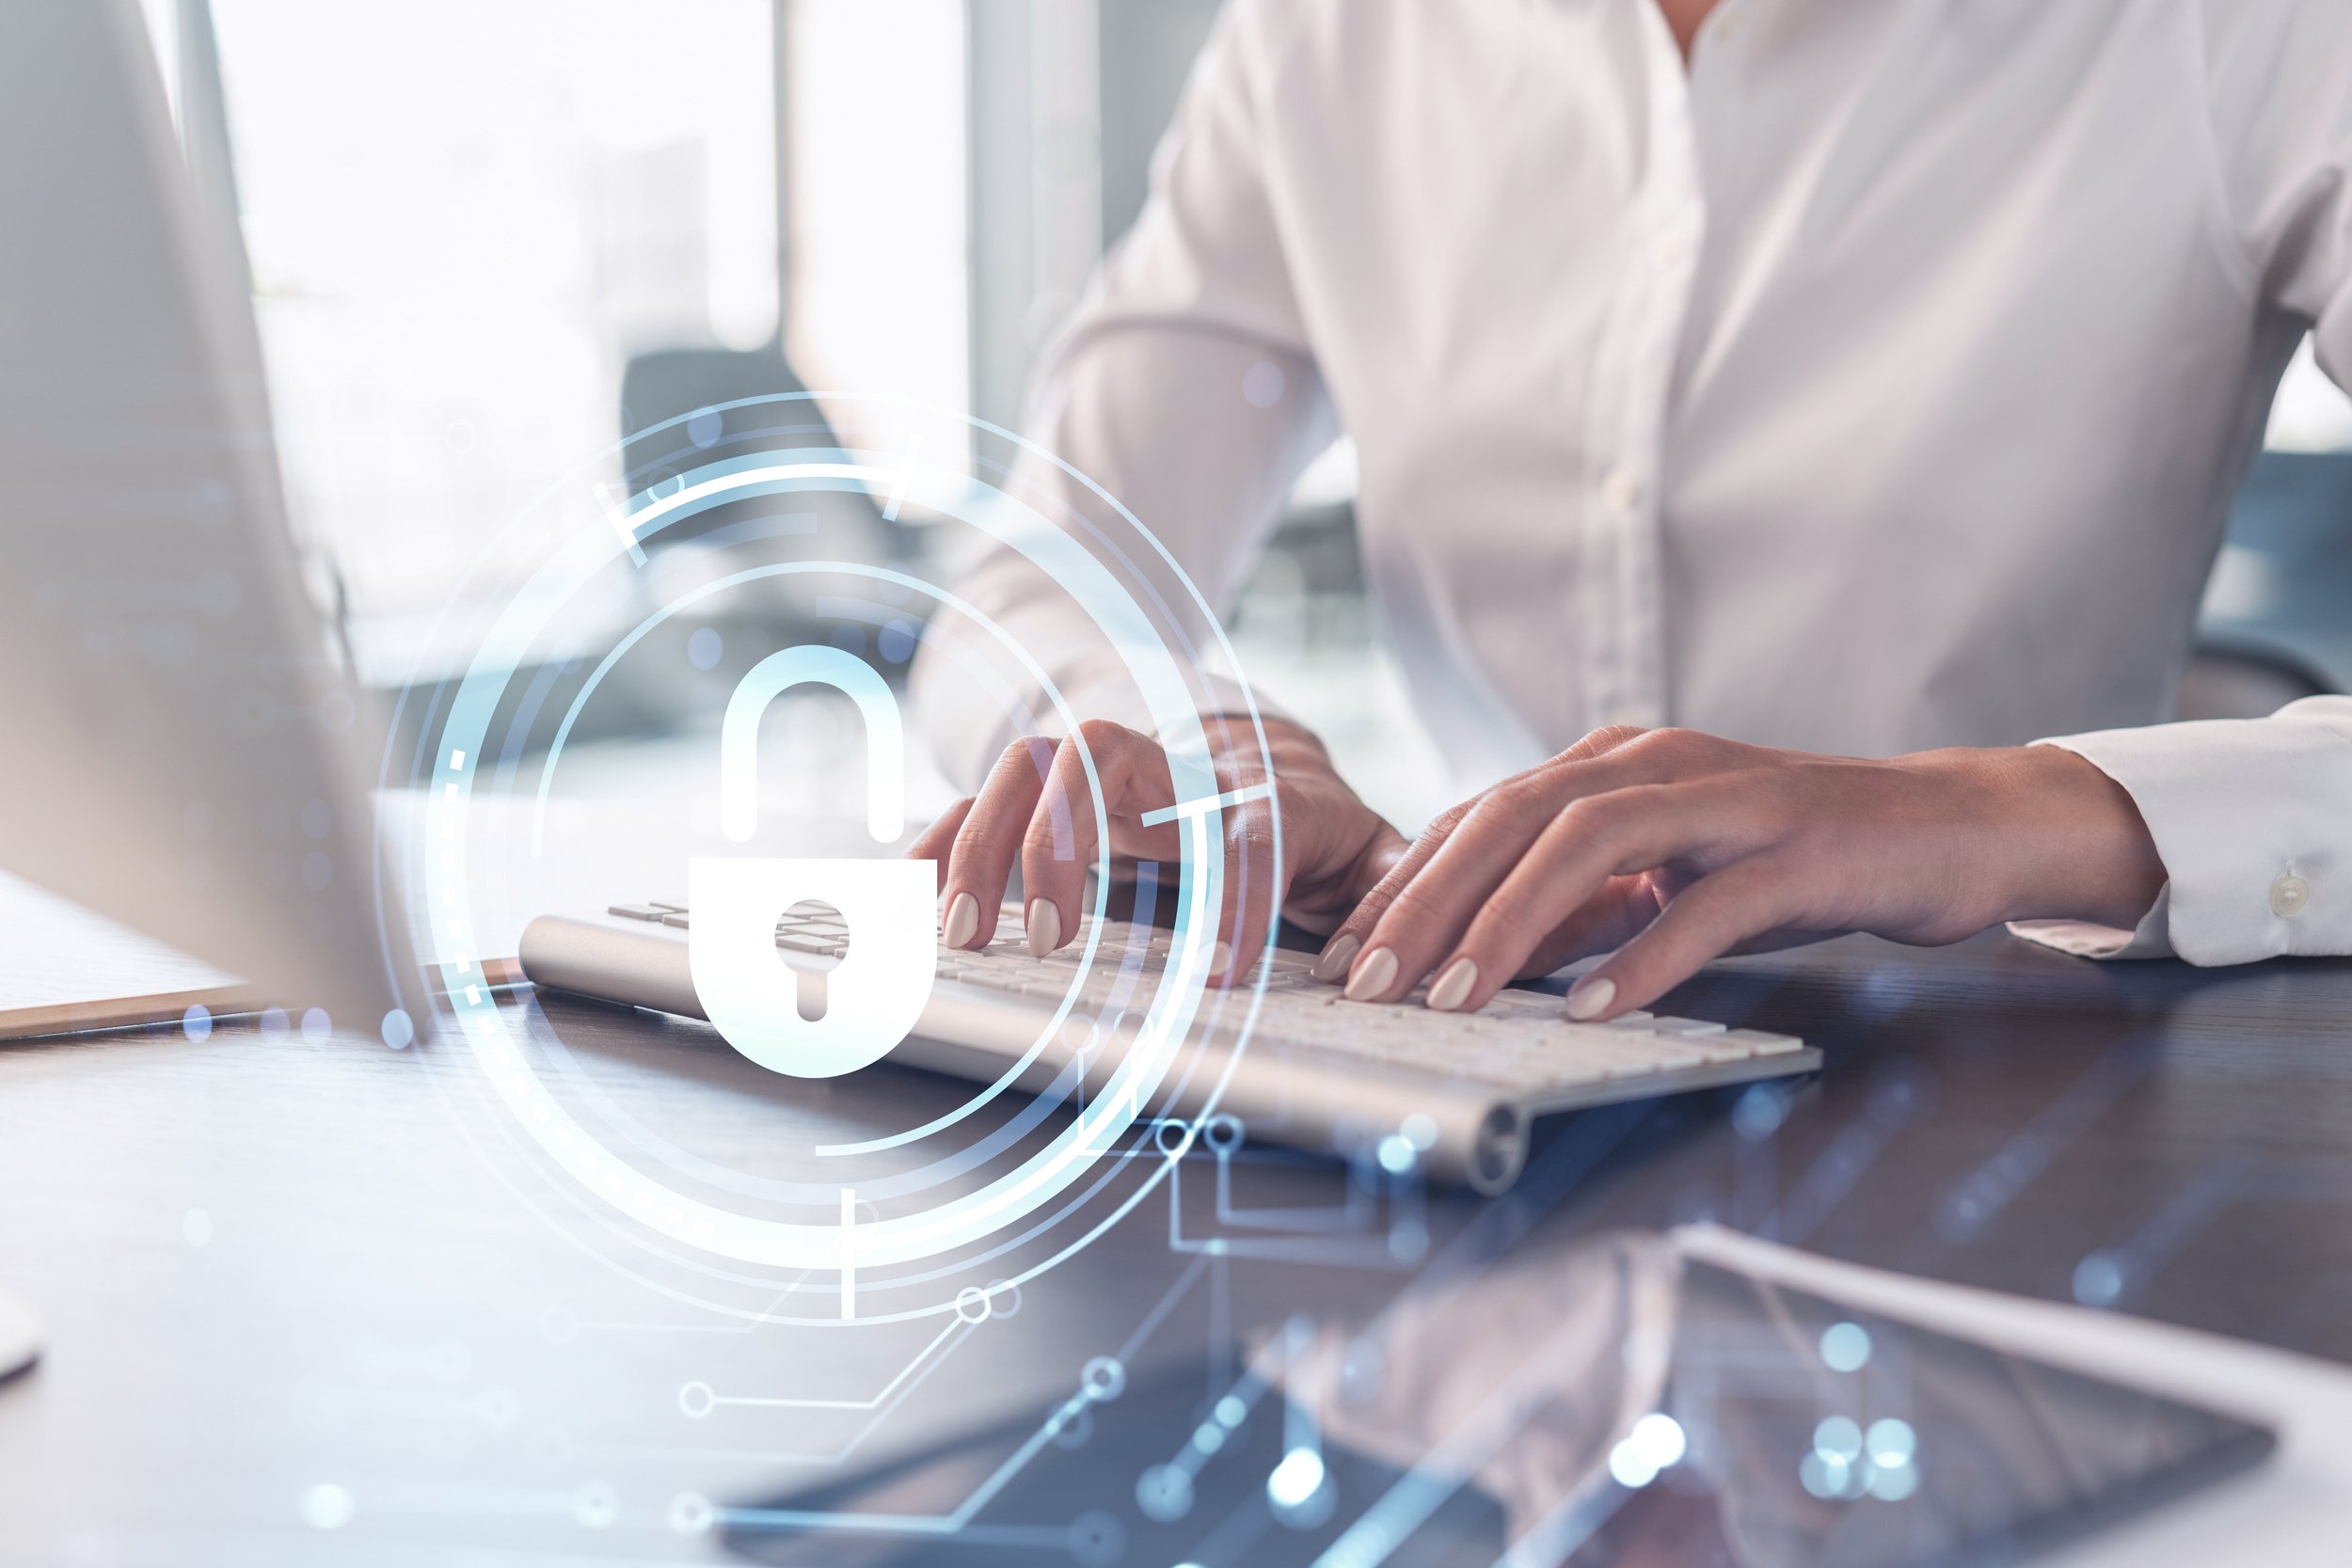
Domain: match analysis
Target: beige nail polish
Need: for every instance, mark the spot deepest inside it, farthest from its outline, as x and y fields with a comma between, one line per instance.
x=1332, y=965
x=1044, y=926
x=1453, y=987
x=963, y=921
x=1591, y=998
x=1375, y=974
x=1221, y=959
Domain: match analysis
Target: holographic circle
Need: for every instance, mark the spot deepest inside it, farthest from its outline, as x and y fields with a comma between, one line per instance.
x=462, y=742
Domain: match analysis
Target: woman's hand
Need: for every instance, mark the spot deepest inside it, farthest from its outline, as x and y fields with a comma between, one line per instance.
x=1036, y=808
x=1673, y=848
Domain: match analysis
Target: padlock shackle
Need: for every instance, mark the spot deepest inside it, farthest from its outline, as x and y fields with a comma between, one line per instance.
x=812, y=664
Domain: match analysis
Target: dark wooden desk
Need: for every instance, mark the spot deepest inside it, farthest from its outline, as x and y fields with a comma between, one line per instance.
x=288, y=1282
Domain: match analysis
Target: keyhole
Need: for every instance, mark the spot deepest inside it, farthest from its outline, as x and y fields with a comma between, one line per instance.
x=813, y=939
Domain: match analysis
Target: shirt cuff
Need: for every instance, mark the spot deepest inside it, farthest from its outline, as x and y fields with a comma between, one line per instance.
x=2085, y=939
x=2253, y=821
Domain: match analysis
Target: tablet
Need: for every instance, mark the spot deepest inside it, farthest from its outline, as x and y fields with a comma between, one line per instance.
x=1773, y=1429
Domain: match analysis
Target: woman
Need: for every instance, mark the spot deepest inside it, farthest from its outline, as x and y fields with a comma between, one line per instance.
x=1833, y=381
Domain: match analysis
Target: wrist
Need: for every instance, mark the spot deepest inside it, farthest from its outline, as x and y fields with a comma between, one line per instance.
x=2084, y=853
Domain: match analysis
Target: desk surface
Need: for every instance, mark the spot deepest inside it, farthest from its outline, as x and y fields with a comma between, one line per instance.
x=293, y=1284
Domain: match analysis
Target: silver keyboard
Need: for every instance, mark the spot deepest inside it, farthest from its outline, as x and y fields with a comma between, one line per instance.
x=1315, y=1065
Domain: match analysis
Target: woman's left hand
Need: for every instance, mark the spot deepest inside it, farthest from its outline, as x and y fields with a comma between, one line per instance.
x=1673, y=848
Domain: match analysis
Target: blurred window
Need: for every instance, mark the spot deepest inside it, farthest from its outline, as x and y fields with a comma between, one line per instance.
x=879, y=263
x=462, y=217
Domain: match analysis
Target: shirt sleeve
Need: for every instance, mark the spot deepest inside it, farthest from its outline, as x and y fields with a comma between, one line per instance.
x=1185, y=388
x=2253, y=820
x=2280, y=78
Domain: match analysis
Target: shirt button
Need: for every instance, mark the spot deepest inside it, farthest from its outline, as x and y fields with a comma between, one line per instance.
x=2289, y=895
x=1621, y=490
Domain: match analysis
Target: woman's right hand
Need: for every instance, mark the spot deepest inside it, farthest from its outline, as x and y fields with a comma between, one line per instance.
x=1036, y=809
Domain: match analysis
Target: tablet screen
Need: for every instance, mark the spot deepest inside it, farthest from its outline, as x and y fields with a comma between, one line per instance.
x=1623, y=1406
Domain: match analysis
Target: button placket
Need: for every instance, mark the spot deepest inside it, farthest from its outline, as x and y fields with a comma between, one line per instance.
x=1624, y=677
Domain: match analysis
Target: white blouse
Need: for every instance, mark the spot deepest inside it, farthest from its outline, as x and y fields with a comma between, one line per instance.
x=1878, y=381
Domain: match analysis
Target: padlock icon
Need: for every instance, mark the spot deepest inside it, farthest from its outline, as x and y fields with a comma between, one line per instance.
x=871, y=1001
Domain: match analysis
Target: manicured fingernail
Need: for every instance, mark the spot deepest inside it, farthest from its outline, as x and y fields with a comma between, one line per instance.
x=1590, y=998
x=963, y=921
x=1333, y=964
x=1375, y=974
x=1453, y=987
x=1044, y=926
x=1221, y=959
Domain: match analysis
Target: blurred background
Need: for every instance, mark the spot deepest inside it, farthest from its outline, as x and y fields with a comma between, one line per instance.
x=487, y=237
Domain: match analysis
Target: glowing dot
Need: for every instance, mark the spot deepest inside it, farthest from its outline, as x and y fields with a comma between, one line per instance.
x=1164, y=1492
x=1824, y=1478
x=1894, y=1484
x=273, y=1023
x=1759, y=1114
x=1838, y=1438
x=1299, y=1478
x=1102, y=1379
x=317, y=1028
x=1396, y=1155
x=398, y=1031
x=704, y=428
x=895, y=642
x=1419, y=1131
x=1208, y=1438
x=2098, y=1281
x=197, y=1225
x=594, y=1506
x=690, y=1513
x=1627, y=1467
x=327, y=1506
x=1845, y=1347
x=1262, y=384
x=704, y=648
x=1890, y=1443
x=1230, y=1410
x=197, y=1022
x=1658, y=1437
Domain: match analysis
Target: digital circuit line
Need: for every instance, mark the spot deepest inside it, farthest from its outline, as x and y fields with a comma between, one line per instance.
x=957, y=1330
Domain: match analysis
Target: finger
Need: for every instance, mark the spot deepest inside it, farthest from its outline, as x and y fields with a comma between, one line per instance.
x=1064, y=832
x=1621, y=910
x=1429, y=915
x=934, y=842
x=1340, y=952
x=1704, y=921
x=1590, y=841
x=1353, y=934
x=1253, y=889
x=981, y=860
